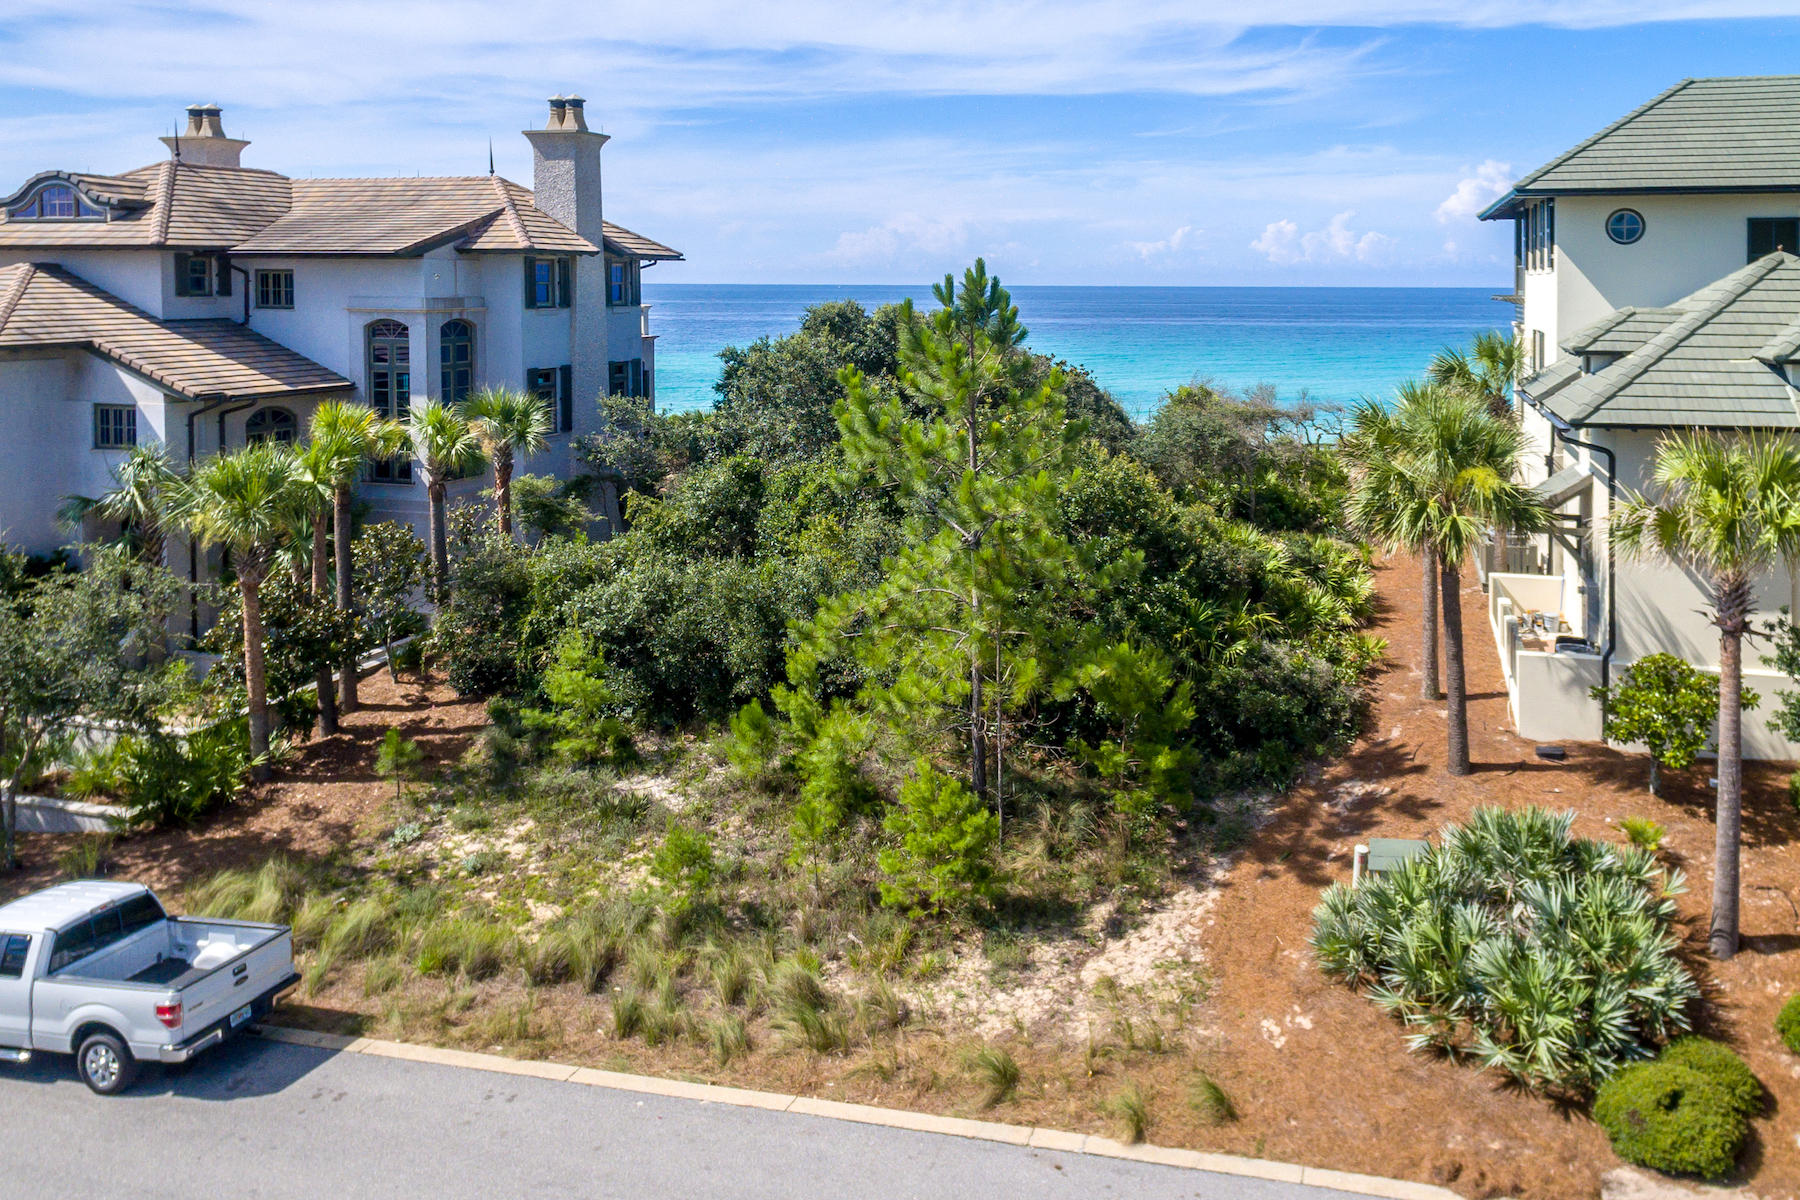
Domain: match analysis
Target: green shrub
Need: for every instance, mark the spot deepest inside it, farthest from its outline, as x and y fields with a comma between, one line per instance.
x=1666, y=704
x=165, y=780
x=946, y=838
x=753, y=742
x=684, y=861
x=1670, y=1118
x=1643, y=833
x=1548, y=957
x=1721, y=1064
x=397, y=759
x=1794, y=792
x=581, y=721
x=1787, y=1023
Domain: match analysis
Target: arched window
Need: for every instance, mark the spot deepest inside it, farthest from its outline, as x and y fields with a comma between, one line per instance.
x=456, y=359
x=389, y=386
x=53, y=202
x=271, y=425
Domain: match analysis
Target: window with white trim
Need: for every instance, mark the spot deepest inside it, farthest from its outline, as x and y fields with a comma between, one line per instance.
x=115, y=426
x=547, y=282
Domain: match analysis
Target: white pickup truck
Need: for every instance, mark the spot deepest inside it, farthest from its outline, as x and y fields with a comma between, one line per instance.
x=100, y=971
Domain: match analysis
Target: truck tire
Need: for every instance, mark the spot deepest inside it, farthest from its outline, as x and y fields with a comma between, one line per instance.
x=105, y=1064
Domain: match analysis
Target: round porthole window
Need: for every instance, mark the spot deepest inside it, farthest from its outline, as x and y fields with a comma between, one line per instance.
x=1625, y=226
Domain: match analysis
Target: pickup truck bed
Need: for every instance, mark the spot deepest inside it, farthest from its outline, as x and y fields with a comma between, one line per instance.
x=90, y=960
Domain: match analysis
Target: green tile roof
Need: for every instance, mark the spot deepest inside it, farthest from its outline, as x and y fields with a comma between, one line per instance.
x=1712, y=360
x=1727, y=134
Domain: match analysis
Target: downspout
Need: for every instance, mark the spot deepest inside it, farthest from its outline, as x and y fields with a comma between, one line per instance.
x=235, y=269
x=1562, y=430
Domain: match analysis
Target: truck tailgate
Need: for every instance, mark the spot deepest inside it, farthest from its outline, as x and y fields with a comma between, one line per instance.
x=236, y=982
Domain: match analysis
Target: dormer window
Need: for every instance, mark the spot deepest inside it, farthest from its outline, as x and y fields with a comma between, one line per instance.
x=54, y=202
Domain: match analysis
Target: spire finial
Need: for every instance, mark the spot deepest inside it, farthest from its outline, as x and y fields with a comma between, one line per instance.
x=490, y=156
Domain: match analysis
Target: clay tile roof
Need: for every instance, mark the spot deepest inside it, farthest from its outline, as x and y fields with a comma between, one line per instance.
x=635, y=245
x=245, y=211
x=411, y=216
x=166, y=204
x=43, y=305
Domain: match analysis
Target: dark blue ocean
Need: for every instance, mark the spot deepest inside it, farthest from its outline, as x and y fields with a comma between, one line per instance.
x=1338, y=344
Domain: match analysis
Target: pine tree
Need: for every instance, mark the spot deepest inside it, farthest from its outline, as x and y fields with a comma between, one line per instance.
x=961, y=621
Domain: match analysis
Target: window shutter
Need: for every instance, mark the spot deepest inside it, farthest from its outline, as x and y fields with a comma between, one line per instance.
x=530, y=282
x=181, y=275
x=564, y=267
x=565, y=397
x=222, y=265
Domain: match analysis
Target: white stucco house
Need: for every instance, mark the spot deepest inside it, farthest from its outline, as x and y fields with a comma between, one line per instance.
x=1657, y=291
x=198, y=302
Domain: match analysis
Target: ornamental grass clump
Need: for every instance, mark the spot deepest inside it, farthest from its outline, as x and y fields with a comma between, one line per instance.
x=1545, y=956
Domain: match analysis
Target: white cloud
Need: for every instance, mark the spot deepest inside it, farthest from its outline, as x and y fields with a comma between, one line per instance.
x=903, y=237
x=1149, y=251
x=1475, y=192
x=1283, y=244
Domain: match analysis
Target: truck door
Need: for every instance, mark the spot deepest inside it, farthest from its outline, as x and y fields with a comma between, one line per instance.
x=15, y=991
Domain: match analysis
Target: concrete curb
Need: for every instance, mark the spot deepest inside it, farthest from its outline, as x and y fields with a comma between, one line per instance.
x=990, y=1131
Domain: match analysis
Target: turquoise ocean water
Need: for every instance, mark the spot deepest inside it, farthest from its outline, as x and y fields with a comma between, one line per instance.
x=1338, y=344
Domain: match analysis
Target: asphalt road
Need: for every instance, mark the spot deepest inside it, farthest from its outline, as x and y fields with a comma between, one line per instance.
x=266, y=1119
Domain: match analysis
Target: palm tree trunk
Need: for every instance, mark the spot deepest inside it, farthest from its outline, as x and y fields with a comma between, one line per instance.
x=503, y=493
x=1733, y=611
x=1428, y=634
x=321, y=587
x=440, y=549
x=256, y=682
x=1455, y=682
x=9, y=822
x=340, y=528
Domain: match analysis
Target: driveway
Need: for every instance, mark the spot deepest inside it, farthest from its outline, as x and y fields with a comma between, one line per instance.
x=267, y=1119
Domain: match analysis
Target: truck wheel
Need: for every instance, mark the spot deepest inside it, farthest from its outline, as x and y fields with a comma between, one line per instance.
x=104, y=1064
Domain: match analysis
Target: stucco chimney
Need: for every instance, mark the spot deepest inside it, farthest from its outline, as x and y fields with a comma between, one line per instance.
x=565, y=184
x=204, y=143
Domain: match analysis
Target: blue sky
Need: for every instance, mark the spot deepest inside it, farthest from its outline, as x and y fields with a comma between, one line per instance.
x=1316, y=142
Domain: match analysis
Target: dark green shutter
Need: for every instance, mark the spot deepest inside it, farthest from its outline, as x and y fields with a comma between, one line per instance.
x=530, y=282
x=181, y=275
x=223, y=266
x=565, y=398
x=564, y=267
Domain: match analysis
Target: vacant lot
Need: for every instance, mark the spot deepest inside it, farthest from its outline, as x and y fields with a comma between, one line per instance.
x=1112, y=1012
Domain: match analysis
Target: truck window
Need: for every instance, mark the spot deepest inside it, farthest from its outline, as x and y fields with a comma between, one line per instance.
x=13, y=949
x=75, y=942
x=107, y=927
x=140, y=912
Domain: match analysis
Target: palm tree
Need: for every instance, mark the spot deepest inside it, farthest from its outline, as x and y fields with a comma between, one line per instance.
x=1446, y=477
x=446, y=446
x=137, y=500
x=1375, y=437
x=317, y=466
x=244, y=500
x=350, y=435
x=1488, y=370
x=1727, y=510
x=510, y=424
